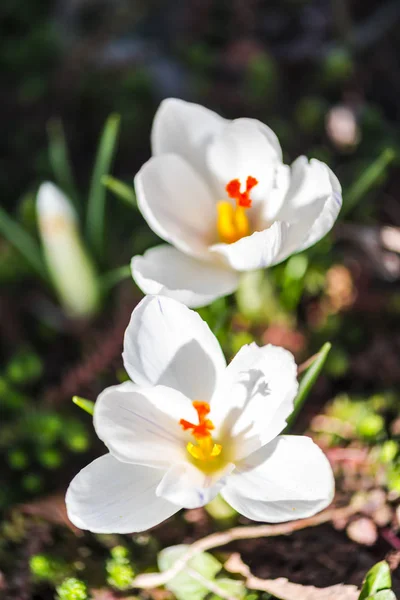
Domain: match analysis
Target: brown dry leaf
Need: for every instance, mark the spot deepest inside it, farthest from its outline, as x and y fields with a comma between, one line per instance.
x=52, y=509
x=285, y=590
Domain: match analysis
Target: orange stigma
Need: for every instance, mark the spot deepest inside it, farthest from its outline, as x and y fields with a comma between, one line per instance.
x=204, y=426
x=205, y=449
x=242, y=198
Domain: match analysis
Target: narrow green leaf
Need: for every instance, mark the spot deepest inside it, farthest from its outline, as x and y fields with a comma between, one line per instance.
x=307, y=382
x=113, y=277
x=97, y=193
x=59, y=160
x=16, y=235
x=378, y=578
x=84, y=404
x=367, y=180
x=120, y=189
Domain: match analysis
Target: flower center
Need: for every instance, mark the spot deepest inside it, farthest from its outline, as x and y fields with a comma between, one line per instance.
x=205, y=449
x=232, y=221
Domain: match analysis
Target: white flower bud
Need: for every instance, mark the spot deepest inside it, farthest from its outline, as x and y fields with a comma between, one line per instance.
x=70, y=268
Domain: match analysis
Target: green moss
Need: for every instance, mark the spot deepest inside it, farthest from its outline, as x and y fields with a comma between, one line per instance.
x=119, y=570
x=72, y=589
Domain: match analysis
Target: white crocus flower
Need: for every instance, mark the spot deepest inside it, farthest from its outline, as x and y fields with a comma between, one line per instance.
x=192, y=427
x=219, y=193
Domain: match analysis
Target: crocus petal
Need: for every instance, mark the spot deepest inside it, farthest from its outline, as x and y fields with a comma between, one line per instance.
x=328, y=215
x=166, y=271
x=185, y=129
x=166, y=343
x=261, y=249
x=176, y=203
x=289, y=478
x=187, y=486
x=255, y=396
x=242, y=149
x=109, y=496
x=271, y=206
x=141, y=425
x=311, y=206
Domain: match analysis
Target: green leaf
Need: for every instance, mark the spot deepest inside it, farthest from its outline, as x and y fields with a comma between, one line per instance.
x=378, y=578
x=383, y=595
x=59, y=160
x=16, y=235
x=307, y=382
x=120, y=189
x=183, y=585
x=84, y=404
x=235, y=588
x=97, y=193
x=111, y=278
x=367, y=180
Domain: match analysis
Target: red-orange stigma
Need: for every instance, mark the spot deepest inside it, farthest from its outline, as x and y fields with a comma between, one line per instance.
x=242, y=198
x=202, y=430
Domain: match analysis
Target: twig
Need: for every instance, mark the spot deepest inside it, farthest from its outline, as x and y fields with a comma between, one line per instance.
x=239, y=533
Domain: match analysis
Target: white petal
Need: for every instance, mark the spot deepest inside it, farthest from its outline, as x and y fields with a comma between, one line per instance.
x=255, y=397
x=244, y=148
x=177, y=203
x=166, y=343
x=109, y=496
x=289, y=478
x=141, y=425
x=187, y=486
x=311, y=206
x=166, y=271
x=271, y=206
x=185, y=129
x=261, y=249
x=327, y=217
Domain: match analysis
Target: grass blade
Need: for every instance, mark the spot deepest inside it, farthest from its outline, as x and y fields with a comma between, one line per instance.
x=84, y=404
x=59, y=160
x=97, y=193
x=120, y=189
x=307, y=382
x=367, y=180
x=16, y=235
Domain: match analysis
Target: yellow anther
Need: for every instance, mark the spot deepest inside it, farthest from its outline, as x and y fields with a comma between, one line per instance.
x=216, y=451
x=205, y=450
x=232, y=222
